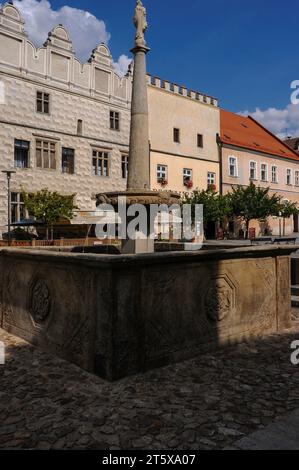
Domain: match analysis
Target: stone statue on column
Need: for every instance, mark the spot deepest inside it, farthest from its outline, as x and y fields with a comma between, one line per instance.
x=140, y=23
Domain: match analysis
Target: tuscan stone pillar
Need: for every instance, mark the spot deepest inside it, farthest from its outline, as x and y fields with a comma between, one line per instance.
x=139, y=158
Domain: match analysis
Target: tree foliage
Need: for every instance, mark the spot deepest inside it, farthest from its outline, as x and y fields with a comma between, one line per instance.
x=253, y=203
x=216, y=207
x=48, y=206
x=286, y=209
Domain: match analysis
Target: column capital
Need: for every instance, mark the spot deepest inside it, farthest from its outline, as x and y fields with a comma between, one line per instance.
x=143, y=49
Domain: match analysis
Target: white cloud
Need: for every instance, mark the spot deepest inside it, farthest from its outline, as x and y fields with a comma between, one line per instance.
x=85, y=29
x=281, y=122
x=121, y=66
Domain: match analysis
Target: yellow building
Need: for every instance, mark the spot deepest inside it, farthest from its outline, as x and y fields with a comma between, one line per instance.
x=183, y=128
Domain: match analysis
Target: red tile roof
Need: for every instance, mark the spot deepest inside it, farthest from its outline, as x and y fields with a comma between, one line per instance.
x=247, y=133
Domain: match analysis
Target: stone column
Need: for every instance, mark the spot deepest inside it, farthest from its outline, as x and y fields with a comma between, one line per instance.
x=139, y=158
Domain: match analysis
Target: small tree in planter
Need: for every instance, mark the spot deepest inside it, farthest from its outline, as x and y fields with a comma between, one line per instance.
x=253, y=203
x=286, y=209
x=49, y=207
x=216, y=207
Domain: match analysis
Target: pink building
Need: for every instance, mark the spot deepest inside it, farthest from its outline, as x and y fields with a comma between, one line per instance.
x=249, y=152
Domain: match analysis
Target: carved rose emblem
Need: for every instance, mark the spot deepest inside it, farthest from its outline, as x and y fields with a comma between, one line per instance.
x=218, y=303
x=40, y=301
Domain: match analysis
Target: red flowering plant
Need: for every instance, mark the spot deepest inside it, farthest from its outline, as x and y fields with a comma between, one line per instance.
x=212, y=187
x=188, y=183
x=163, y=181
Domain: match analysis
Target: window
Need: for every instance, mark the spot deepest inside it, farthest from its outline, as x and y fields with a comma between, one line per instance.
x=187, y=175
x=161, y=172
x=79, y=127
x=264, y=172
x=296, y=178
x=274, y=173
x=211, y=179
x=22, y=153
x=233, y=170
x=200, y=141
x=176, y=135
x=252, y=171
x=124, y=165
x=68, y=160
x=18, y=211
x=114, y=120
x=100, y=163
x=42, y=102
x=289, y=177
x=45, y=154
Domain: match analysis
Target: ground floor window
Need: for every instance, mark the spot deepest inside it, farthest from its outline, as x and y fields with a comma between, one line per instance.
x=274, y=174
x=252, y=170
x=264, y=172
x=18, y=211
x=211, y=179
x=187, y=175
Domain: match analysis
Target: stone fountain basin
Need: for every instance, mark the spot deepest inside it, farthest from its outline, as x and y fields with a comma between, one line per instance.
x=120, y=315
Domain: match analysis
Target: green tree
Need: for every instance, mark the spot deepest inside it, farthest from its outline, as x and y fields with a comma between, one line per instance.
x=49, y=207
x=253, y=203
x=285, y=210
x=216, y=207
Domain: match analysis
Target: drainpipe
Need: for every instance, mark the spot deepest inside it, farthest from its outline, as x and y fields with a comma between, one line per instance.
x=219, y=144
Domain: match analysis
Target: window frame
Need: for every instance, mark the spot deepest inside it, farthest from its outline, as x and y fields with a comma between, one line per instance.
x=276, y=174
x=73, y=163
x=200, y=141
x=296, y=176
x=50, y=142
x=113, y=120
x=266, y=180
x=177, y=131
x=43, y=101
x=289, y=174
x=187, y=177
x=255, y=170
x=18, y=204
x=124, y=165
x=102, y=159
x=214, y=176
x=160, y=173
x=236, y=175
x=28, y=154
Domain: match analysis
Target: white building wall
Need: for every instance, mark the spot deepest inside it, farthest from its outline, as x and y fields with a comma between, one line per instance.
x=87, y=92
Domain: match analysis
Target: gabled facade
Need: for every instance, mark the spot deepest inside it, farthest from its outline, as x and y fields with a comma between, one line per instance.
x=63, y=125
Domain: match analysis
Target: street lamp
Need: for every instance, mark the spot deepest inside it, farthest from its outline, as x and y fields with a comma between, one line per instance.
x=8, y=175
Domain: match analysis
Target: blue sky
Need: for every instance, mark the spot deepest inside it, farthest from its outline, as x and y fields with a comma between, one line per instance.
x=244, y=53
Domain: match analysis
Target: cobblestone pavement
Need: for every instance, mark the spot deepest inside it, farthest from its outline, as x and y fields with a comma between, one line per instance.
x=210, y=402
